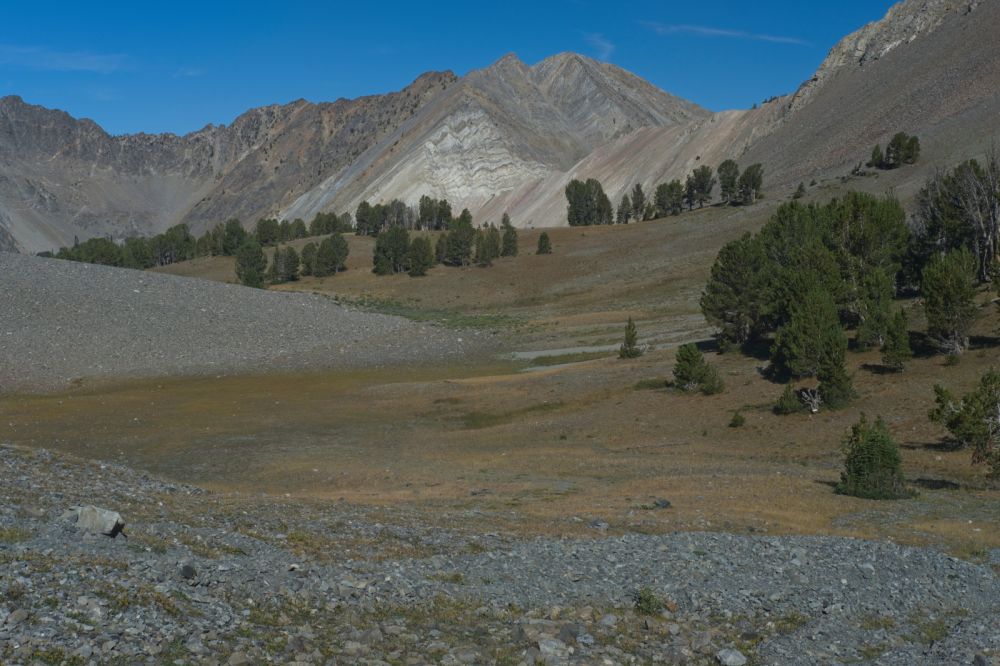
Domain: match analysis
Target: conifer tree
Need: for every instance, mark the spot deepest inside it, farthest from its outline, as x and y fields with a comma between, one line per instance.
x=630, y=347
x=896, y=348
x=975, y=419
x=693, y=373
x=877, y=160
x=308, y=258
x=508, y=247
x=872, y=465
x=331, y=256
x=949, y=291
x=624, y=210
x=420, y=257
x=690, y=192
x=638, y=203
x=875, y=303
x=811, y=338
x=544, y=244
x=704, y=182
x=788, y=402
x=729, y=174
x=735, y=296
x=251, y=264
x=441, y=248
x=673, y=198
x=391, y=250
x=750, y=183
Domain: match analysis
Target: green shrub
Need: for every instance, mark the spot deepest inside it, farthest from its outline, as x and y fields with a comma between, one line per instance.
x=788, y=402
x=630, y=348
x=738, y=420
x=646, y=602
x=873, y=468
x=693, y=373
x=973, y=420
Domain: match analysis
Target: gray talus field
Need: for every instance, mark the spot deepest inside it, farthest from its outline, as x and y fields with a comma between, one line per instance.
x=60, y=321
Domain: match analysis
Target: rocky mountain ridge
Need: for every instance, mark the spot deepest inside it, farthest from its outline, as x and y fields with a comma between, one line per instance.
x=506, y=138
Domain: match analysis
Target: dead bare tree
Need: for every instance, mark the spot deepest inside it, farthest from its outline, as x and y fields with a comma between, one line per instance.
x=811, y=399
x=979, y=198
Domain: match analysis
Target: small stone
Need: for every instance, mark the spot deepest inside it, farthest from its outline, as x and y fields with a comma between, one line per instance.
x=239, y=659
x=730, y=657
x=188, y=572
x=17, y=617
x=96, y=521
x=599, y=524
x=661, y=503
x=569, y=632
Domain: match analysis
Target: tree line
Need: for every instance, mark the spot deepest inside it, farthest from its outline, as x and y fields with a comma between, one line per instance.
x=178, y=243
x=588, y=204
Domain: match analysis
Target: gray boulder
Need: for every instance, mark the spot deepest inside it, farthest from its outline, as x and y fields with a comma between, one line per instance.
x=95, y=520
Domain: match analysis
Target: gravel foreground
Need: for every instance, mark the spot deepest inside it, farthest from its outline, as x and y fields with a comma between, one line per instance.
x=63, y=320
x=208, y=578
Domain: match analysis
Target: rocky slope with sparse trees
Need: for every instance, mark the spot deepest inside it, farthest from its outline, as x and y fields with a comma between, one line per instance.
x=507, y=138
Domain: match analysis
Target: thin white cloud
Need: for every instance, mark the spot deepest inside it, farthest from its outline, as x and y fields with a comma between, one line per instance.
x=708, y=31
x=46, y=59
x=188, y=72
x=600, y=44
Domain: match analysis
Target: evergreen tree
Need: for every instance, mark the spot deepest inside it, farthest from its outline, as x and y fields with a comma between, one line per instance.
x=693, y=373
x=872, y=466
x=276, y=273
x=587, y=203
x=812, y=337
x=638, y=203
x=624, y=210
x=750, y=183
x=674, y=197
x=251, y=264
x=902, y=149
x=690, y=192
x=491, y=244
x=308, y=258
x=788, y=402
x=233, y=237
x=421, y=256
x=331, y=256
x=508, y=246
x=896, y=347
x=704, y=182
x=734, y=298
x=268, y=232
x=835, y=385
x=391, y=250
x=877, y=160
x=949, y=292
x=441, y=248
x=544, y=244
x=974, y=421
x=444, y=217
x=460, y=239
x=729, y=174
x=630, y=348
x=292, y=263
x=874, y=310
x=365, y=220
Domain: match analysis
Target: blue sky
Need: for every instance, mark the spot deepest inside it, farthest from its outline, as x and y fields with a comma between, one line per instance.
x=177, y=66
